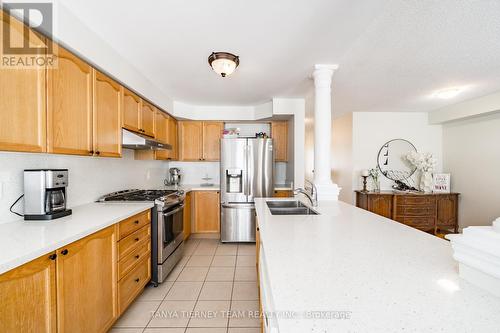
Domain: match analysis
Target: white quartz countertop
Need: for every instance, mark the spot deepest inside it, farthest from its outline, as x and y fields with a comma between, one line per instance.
x=386, y=276
x=22, y=241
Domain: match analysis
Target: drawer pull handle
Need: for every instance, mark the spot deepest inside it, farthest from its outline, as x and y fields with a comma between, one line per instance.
x=53, y=256
x=137, y=280
x=136, y=221
x=137, y=239
x=137, y=257
x=64, y=252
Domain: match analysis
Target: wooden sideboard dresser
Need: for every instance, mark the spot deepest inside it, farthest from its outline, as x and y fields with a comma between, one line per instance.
x=434, y=212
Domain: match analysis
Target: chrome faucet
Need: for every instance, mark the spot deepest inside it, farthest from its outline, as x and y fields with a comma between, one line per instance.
x=312, y=195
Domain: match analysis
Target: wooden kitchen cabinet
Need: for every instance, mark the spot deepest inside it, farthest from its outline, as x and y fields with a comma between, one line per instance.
x=131, y=111
x=173, y=139
x=161, y=130
x=69, y=106
x=212, y=131
x=23, y=115
x=87, y=283
x=107, y=116
x=148, y=112
x=190, y=140
x=187, y=215
x=206, y=212
x=279, y=133
x=200, y=140
x=28, y=296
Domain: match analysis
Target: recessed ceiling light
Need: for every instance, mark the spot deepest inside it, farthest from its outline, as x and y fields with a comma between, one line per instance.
x=448, y=92
x=223, y=63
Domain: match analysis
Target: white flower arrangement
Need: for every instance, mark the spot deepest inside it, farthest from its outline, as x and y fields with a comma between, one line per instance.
x=424, y=162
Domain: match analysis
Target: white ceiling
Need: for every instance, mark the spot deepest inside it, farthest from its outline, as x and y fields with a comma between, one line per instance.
x=392, y=53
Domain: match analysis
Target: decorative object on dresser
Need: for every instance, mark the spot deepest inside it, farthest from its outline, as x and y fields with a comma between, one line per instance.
x=427, y=212
x=425, y=163
x=374, y=175
x=441, y=182
x=394, y=165
x=364, y=174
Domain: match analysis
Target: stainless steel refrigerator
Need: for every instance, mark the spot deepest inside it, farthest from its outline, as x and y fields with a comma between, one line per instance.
x=247, y=167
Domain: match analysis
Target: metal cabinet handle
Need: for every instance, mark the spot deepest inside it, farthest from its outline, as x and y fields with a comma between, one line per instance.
x=136, y=239
x=53, y=256
x=64, y=252
x=137, y=280
x=136, y=221
x=137, y=257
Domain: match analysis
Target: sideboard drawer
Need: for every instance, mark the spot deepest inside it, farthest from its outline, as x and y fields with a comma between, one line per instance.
x=416, y=210
x=415, y=200
x=422, y=223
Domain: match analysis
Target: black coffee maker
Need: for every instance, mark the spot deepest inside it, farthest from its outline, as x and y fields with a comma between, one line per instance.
x=45, y=195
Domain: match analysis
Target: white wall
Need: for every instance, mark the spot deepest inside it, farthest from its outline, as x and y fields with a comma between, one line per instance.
x=342, y=152
x=89, y=177
x=215, y=112
x=472, y=156
x=372, y=129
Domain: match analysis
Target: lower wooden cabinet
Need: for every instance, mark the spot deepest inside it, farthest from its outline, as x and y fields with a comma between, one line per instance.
x=81, y=287
x=28, y=297
x=206, y=212
x=86, y=283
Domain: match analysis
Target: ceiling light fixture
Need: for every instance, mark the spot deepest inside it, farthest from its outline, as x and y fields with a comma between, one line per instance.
x=223, y=63
x=447, y=93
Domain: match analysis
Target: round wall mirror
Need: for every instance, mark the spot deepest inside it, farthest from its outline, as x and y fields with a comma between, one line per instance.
x=392, y=160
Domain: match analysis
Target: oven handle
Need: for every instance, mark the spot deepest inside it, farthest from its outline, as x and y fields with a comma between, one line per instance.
x=174, y=211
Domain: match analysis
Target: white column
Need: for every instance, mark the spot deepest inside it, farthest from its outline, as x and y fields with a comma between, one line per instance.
x=322, y=76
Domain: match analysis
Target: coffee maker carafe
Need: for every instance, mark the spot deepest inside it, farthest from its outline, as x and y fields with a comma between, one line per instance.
x=45, y=195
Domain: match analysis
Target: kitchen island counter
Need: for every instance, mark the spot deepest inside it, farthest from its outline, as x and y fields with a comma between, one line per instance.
x=348, y=270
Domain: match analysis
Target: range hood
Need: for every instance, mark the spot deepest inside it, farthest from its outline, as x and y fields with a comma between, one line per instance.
x=132, y=140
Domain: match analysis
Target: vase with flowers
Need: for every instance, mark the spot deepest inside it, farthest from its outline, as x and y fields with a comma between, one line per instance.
x=425, y=163
x=374, y=174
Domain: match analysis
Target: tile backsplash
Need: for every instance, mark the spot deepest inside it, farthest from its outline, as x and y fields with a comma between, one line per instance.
x=89, y=177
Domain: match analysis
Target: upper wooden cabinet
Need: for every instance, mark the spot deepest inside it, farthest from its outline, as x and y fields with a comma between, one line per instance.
x=29, y=297
x=173, y=139
x=161, y=130
x=148, y=119
x=107, y=116
x=279, y=133
x=190, y=140
x=87, y=283
x=212, y=131
x=22, y=102
x=131, y=111
x=206, y=212
x=199, y=140
x=69, y=106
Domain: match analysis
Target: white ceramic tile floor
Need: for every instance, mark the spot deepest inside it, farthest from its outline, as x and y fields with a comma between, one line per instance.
x=210, y=280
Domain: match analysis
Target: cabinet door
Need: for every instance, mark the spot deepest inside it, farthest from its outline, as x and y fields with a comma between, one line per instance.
x=107, y=116
x=211, y=140
x=161, y=129
x=187, y=215
x=148, y=119
x=381, y=205
x=69, y=106
x=28, y=296
x=279, y=133
x=131, y=111
x=447, y=211
x=173, y=139
x=207, y=211
x=86, y=283
x=22, y=102
x=190, y=140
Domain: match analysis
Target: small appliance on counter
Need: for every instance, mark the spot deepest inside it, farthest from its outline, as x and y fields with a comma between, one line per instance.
x=45, y=195
x=174, y=177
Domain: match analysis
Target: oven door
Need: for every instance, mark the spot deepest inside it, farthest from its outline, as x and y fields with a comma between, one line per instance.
x=170, y=231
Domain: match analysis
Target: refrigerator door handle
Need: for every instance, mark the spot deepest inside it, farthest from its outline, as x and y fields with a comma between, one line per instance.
x=238, y=205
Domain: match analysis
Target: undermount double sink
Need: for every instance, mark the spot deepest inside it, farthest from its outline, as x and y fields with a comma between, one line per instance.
x=289, y=207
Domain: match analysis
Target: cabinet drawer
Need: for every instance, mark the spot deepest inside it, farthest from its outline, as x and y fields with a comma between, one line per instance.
x=422, y=223
x=128, y=226
x=133, y=241
x=128, y=262
x=419, y=210
x=131, y=285
x=415, y=200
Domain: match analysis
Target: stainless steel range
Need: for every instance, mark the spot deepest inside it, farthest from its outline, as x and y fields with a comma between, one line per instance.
x=167, y=229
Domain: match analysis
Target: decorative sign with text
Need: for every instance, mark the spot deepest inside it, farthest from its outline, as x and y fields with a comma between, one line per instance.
x=441, y=182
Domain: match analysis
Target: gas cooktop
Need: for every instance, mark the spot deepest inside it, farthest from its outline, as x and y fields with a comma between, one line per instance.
x=143, y=195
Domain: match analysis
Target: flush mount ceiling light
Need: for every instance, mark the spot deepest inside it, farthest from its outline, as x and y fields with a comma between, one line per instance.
x=448, y=92
x=223, y=63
